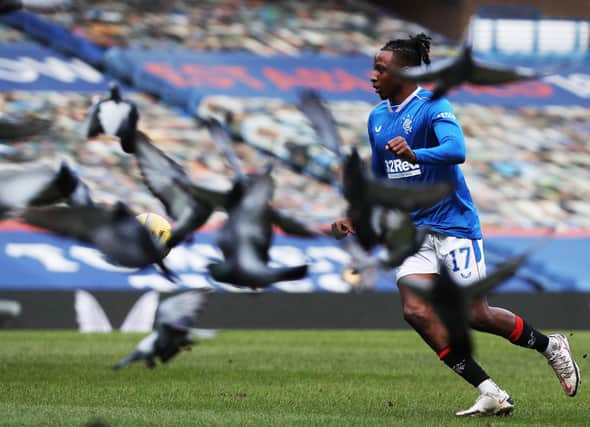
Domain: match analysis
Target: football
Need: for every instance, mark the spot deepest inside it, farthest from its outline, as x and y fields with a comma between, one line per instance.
x=158, y=226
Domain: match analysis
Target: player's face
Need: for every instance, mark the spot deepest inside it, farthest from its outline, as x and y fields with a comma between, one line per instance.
x=386, y=84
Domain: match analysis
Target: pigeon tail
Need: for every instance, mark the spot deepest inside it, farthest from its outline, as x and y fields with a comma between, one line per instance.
x=289, y=273
x=133, y=357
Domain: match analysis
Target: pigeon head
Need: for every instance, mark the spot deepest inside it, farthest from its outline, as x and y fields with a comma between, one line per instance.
x=115, y=92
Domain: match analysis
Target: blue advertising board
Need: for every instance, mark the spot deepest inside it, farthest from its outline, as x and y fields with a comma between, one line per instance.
x=36, y=260
x=31, y=67
x=184, y=77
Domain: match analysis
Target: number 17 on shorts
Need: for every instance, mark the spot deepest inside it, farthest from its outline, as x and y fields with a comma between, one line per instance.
x=463, y=258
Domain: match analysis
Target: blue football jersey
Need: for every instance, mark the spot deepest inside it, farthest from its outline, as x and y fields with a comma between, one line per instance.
x=432, y=131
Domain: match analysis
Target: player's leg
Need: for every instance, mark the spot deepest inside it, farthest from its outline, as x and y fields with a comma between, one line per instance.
x=465, y=263
x=422, y=317
x=465, y=260
x=554, y=347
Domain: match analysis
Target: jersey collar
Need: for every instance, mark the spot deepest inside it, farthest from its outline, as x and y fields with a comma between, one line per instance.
x=405, y=102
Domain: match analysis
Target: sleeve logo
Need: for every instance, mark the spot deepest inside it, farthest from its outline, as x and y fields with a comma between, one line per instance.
x=446, y=115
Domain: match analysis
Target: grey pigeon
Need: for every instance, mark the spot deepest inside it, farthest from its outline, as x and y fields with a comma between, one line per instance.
x=465, y=68
x=35, y=184
x=450, y=300
x=18, y=127
x=222, y=199
x=162, y=175
x=245, y=238
x=114, y=116
x=379, y=210
x=115, y=231
x=176, y=316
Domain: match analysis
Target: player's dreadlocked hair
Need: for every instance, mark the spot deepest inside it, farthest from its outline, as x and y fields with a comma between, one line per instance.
x=412, y=51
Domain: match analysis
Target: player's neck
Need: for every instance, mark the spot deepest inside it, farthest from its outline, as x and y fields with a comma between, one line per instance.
x=403, y=94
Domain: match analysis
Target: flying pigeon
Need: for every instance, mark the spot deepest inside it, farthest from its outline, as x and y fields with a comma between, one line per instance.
x=35, y=184
x=379, y=210
x=114, y=116
x=18, y=127
x=465, y=68
x=115, y=231
x=175, y=319
x=222, y=200
x=162, y=175
x=450, y=300
x=245, y=237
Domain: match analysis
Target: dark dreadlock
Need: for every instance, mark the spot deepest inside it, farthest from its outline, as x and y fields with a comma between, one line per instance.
x=412, y=51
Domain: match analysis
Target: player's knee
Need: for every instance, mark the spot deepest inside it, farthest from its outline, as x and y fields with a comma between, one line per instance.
x=417, y=315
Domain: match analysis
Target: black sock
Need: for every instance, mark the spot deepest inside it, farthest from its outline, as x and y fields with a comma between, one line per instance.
x=525, y=335
x=465, y=366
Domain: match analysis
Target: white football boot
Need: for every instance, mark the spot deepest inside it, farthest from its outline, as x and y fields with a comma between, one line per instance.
x=489, y=404
x=559, y=357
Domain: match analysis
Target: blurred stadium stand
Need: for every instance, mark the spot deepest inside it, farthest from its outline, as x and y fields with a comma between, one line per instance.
x=528, y=152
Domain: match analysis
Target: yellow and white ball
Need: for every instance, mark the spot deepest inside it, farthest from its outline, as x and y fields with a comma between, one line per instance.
x=157, y=225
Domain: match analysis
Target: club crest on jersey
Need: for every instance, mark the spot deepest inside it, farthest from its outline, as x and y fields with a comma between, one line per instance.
x=407, y=124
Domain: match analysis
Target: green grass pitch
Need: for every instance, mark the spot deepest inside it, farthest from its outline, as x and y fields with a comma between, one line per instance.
x=274, y=378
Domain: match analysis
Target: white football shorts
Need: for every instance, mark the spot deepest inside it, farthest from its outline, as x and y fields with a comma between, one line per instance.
x=464, y=258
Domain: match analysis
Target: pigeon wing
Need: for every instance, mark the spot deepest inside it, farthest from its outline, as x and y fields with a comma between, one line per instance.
x=205, y=195
x=504, y=272
x=291, y=225
x=163, y=176
x=494, y=74
x=408, y=197
x=321, y=119
x=222, y=139
x=79, y=222
x=181, y=311
x=15, y=128
x=36, y=183
x=439, y=70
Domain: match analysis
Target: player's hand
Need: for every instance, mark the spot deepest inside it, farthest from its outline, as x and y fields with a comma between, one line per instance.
x=400, y=148
x=342, y=228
